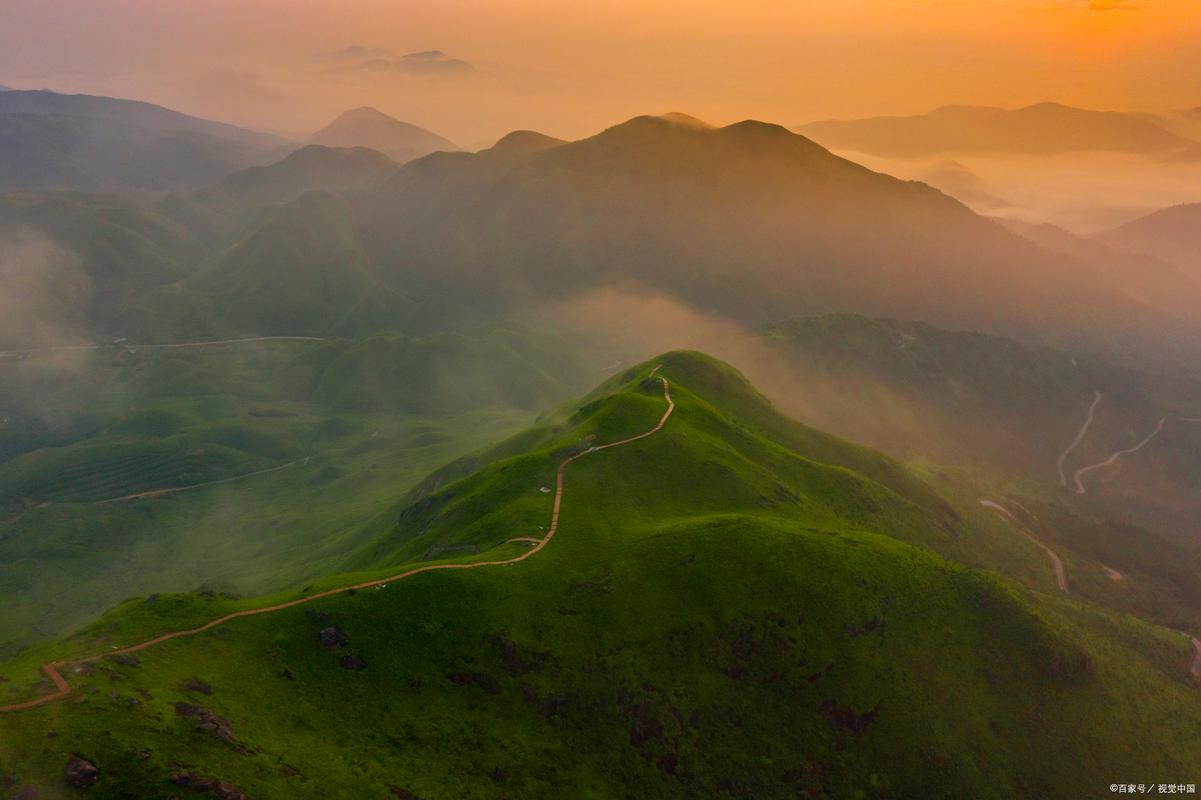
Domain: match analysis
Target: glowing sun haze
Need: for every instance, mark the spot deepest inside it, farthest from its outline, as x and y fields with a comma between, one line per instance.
x=477, y=68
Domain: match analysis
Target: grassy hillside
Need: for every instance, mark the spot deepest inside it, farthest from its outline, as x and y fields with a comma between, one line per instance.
x=721, y=614
x=302, y=272
x=284, y=450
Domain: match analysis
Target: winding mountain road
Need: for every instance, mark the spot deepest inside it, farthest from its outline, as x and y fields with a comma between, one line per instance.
x=1113, y=459
x=177, y=489
x=1088, y=423
x=62, y=688
x=1061, y=575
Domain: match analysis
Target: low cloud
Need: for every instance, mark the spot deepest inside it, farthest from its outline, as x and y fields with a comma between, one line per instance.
x=424, y=63
x=44, y=292
x=1113, y=5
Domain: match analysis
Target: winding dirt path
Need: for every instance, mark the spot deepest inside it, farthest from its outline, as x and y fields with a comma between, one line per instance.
x=176, y=489
x=123, y=346
x=1196, y=668
x=1061, y=575
x=1088, y=423
x=1113, y=459
x=63, y=688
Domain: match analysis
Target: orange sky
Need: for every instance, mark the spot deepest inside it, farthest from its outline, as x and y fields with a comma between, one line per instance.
x=569, y=67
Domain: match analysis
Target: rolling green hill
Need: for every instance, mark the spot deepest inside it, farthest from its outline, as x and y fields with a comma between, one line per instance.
x=983, y=416
x=302, y=272
x=283, y=449
x=731, y=607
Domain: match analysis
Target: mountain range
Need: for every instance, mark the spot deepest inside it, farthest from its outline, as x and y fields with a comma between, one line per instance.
x=1042, y=129
x=750, y=222
x=344, y=472
x=60, y=141
x=1171, y=234
x=53, y=141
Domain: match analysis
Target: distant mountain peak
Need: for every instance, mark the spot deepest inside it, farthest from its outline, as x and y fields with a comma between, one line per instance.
x=525, y=142
x=680, y=118
x=1039, y=129
x=758, y=128
x=366, y=114
x=369, y=127
x=1049, y=105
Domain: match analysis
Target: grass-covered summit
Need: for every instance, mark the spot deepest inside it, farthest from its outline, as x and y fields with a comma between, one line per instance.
x=732, y=607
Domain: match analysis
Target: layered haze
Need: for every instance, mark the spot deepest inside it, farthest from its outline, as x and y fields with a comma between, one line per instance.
x=848, y=351
x=475, y=69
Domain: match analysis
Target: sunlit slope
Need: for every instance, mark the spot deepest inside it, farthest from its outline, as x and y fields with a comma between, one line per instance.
x=719, y=614
x=1010, y=422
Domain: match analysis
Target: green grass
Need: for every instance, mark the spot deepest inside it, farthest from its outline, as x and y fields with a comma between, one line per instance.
x=359, y=423
x=723, y=613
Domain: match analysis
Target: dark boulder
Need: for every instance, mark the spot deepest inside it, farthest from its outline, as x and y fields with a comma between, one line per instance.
x=207, y=721
x=332, y=638
x=80, y=773
x=227, y=791
x=353, y=662
x=198, y=686
x=846, y=718
x=481, y=679
x=402, y=794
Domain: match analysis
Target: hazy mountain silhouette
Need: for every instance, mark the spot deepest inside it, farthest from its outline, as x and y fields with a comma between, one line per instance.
x=1043, y=129
x=750, y=221
x=311, y=168
x=1153, y=278
x=521, y=142
x=367, y=127
x=51, y=140
x=1172, y=234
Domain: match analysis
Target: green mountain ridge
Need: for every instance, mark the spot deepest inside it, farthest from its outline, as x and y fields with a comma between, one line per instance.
x=727, y=609
x=343, y=425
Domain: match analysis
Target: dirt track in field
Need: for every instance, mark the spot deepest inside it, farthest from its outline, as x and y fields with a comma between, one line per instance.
x=63, y=688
